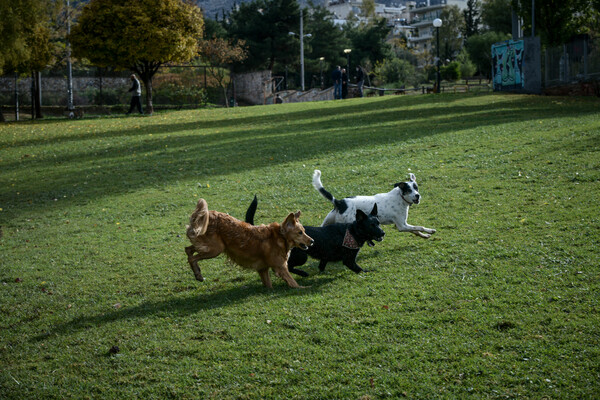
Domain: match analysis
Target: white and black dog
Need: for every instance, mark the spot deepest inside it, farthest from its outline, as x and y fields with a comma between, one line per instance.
x=392, y=206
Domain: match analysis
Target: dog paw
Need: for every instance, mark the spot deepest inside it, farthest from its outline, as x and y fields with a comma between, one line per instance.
x=199, y=278
x=299, y=272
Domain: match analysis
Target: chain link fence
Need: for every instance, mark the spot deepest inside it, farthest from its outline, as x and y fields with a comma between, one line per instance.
x=575, y=62
x=98, y=90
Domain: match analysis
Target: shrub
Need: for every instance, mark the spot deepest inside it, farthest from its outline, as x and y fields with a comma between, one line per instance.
x=467, y=67
x=395, y=71
x=173, y=94
x=450, y=71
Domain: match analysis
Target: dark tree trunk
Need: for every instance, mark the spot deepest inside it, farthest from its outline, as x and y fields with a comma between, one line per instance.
x=146, y=70
x=38, y=94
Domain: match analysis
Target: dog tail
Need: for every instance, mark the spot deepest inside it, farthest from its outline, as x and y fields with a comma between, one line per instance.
x=319, y=186
x=251, y=211
x=199, y=218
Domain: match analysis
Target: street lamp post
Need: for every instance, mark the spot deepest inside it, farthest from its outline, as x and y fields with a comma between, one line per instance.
x=437, y=23
x=347, y=51
x=321, y=59
x=70, y=106
x=302, y=36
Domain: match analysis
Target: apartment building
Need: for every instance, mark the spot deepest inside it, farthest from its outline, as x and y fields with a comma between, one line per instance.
x=422, y=15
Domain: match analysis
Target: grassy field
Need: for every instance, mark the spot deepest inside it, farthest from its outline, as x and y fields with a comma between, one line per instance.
x=502, y=302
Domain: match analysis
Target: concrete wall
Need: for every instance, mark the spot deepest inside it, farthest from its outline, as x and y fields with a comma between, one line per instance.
x=253, y=87
x=517, y=66
x=532, y=66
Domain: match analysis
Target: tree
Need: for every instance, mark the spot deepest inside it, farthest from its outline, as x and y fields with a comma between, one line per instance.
x=451, y=71
x=472, y=18
x=451, y=37
x=26, y=37
x=480, y=50
x=139, y=35
x=496, y=15
x=327, y=41
x=557, y=21
x=467, y=68
x=395, y=71
x=368, y=41
x=220, y=54
x=41, y=55
x=367, y=9
x=265, y=26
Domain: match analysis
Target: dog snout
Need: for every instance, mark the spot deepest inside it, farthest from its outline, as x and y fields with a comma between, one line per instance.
x=311, y=243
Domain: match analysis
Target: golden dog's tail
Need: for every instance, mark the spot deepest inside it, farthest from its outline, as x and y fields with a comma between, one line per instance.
x=199, y=218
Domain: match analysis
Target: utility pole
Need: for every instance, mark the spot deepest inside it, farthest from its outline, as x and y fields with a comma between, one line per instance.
x=69, y=66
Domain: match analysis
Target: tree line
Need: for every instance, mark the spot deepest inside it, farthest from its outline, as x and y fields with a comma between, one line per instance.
x=143, y=35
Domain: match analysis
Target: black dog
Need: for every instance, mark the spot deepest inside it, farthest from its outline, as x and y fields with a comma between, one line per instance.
x=335, y=242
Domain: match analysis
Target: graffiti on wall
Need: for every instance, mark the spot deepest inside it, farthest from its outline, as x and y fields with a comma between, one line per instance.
x=507, y=59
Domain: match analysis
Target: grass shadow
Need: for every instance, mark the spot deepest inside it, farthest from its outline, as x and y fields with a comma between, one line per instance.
x=190, y=152
x=181, y=307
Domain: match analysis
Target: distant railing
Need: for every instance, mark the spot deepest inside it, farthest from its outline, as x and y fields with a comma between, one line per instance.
x=574, y=62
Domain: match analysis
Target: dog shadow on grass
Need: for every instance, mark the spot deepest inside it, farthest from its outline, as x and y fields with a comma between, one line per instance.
x=183, y=306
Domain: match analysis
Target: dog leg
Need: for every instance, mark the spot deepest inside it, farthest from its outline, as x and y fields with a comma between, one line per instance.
x=284, y=274
x=193, y=261
x=416, y=230
x=298, y=272
x=329, y=219
x=322, y=264
x=350, y=262
x=265, y=278
x=297, y=258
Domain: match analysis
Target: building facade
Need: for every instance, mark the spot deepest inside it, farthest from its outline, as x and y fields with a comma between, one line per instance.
x=421, y=20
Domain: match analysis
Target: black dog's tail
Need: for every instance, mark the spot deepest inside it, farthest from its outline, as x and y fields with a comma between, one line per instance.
x=251, y=211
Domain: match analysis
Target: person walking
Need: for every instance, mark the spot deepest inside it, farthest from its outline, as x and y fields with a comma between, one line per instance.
x=360, y=80
x=136, y=97
x=344, y=83
x=336, y=77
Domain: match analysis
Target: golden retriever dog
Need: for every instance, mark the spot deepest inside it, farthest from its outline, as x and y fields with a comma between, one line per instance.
x=253, y=247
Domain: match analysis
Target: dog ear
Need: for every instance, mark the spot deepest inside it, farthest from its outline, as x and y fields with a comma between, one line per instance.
x=289, y=222
x=401, y=185
x=374, y=210
x=297, y=214
x=360, y=215
x=412, y=177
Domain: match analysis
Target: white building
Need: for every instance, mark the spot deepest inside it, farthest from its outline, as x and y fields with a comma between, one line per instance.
x=422, y=16
x=342, y=9
x=414, y=21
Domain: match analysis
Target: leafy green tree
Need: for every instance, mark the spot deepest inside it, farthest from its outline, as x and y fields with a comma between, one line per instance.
x=139, y=35
x=25, y=32
x=451, y=40
x=214, y=28
x=220, y=54
x=395, y=71
x=479, y=48
x=558, y=21
x=367, y=9
x=265, y=26
x=472, y=18
x=467, y=68
x=496, y=15
x=368, y=41
x=450, y=71
x=327, y=41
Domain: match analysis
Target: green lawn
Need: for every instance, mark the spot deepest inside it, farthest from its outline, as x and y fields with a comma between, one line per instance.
x=502, y=302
